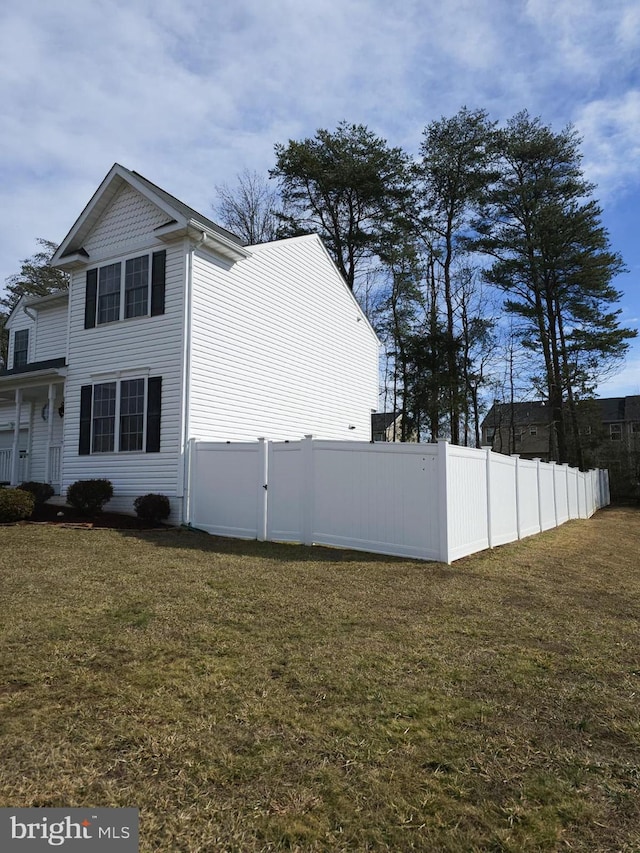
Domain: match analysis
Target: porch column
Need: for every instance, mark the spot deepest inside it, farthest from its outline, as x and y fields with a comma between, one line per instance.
x=15, y=456
x=50, y=403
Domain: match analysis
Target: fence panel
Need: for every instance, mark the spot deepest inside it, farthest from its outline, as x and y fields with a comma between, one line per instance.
x=572, y=488
x=503, y=499
x=582, y=495
x=227, y=488
x=562, y=497
x=375, y=497
x=466, y=501
x=528, y=499
x=546, y=496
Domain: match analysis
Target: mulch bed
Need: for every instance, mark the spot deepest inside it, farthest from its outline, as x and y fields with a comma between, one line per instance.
x=66, y=515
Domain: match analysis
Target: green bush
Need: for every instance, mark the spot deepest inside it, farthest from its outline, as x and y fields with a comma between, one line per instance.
x=41, y=491
x=152, y=508
x=89, y=496
x=15, y=505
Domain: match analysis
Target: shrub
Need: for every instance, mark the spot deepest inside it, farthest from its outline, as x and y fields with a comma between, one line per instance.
x=89, y=496
x=15, y=505
x=152, y=508
x=41, y=491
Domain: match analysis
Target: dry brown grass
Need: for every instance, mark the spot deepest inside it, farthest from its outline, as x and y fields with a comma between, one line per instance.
x=252, y=697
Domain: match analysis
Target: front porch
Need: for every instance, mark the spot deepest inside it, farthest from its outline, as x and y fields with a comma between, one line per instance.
x=31, y=423
x=53, y=476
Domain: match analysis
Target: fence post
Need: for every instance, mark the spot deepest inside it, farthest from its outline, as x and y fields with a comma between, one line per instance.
x=566, y=467
x=489, y=520
x=307, y=490
x=443, y=500
x=190, y=475
x=555, y=496
x=538, y=463
x=516, y=456
x=263, y=487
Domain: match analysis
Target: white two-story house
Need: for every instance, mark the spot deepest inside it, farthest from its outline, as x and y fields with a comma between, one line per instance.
x=173, y=330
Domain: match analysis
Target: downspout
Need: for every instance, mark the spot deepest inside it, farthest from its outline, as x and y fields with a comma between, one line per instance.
x=33, y=334
x=186, y=376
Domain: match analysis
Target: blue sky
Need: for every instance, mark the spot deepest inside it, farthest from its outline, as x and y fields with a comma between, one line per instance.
x=191, y=93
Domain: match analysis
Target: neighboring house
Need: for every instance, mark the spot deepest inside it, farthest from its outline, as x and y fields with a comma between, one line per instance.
x=386, y=426
x=521, y=428
x=173, y=330
x=606, y=424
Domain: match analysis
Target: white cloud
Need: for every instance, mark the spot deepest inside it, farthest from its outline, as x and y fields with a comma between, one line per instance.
x=610, y=128
x=190, y=93
x=624, y=383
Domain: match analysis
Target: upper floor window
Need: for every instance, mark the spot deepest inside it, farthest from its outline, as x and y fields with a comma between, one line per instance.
x=615, y=432
x=533, y=430
x=20, y=347
x=130, y=288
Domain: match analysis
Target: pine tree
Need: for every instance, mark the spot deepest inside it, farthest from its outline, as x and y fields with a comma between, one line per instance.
x=36, y=278
x=552, y=260
x=344, y=186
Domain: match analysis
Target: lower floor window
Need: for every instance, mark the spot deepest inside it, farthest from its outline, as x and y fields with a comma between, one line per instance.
x=121, y=415
x=104, y=416
x=131, y=414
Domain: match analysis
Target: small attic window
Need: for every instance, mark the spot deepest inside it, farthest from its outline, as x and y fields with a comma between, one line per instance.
x=20, y=347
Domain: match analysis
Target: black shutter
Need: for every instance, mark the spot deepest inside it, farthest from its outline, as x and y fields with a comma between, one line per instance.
x=154, y=407
x=91, y=298
x=84, y=447
x=157, y=282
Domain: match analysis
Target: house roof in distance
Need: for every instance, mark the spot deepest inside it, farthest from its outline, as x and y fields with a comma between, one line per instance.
x=380, y=421
x=611, y=410
x=532, y=412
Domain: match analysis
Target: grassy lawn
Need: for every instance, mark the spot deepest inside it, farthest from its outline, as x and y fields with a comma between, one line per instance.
x=252, y=697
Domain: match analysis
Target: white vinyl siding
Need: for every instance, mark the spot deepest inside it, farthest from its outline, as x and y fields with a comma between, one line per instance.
x=140, y=348
x=279, y=348
x=51, y=331
x=40, y=435
x=128, y=223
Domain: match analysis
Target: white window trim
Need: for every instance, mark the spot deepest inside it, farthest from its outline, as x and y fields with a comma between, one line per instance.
x=615, y=432
x=119, y=379
x=20, y=332
x=122, y=260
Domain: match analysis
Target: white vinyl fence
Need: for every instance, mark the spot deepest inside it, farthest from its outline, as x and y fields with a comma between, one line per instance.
x=426, y=501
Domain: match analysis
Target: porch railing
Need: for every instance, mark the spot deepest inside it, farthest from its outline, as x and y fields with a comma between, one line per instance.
x=6, y=458
x=55, y=458
x=5, y=465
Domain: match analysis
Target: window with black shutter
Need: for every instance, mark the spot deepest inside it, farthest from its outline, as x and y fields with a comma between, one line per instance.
x=112, y=416
x=122, y=290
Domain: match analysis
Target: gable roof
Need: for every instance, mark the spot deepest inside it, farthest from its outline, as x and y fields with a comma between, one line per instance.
x=181, y=220
x=533, y=412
